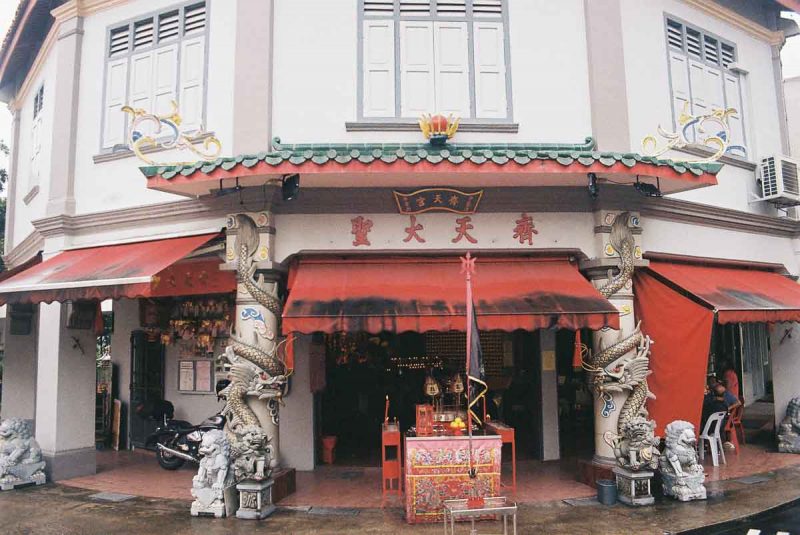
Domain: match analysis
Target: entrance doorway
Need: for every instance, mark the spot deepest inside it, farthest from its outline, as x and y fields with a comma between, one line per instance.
x=744, y=346
x=147, y=384
x=361, y=370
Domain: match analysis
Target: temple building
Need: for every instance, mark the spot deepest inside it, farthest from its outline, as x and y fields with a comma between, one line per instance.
x=621, y=171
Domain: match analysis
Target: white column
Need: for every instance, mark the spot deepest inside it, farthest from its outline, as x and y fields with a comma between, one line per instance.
x=65, y=395
x=61, y=171
x=549, y=392
x=19, y=372
x=785, y=359
x=297, y=415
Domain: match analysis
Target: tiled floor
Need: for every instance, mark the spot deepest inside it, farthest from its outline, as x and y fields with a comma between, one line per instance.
x=138, y=473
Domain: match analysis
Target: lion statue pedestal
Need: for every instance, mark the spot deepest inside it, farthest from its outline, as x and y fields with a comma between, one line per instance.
x=789, y=430
x=636, y=450
x=681, y=475
x=20, y=456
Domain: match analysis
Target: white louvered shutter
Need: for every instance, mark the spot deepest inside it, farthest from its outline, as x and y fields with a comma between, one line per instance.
x=700, y=92
x=490, y=70
x=679, y=71
x=192, y=92
x=116, y=90
x=141, y=81
x=379, y=79
x=715, y=93
x=165, y=63
x=451, y=78
x=733, y=99
x=416, y=69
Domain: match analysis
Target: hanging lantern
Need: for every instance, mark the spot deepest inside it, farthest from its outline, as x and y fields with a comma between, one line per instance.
x=432, y=387
x=457, y=384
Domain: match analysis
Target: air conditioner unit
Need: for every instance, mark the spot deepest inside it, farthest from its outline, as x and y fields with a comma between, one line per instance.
x=779, y=181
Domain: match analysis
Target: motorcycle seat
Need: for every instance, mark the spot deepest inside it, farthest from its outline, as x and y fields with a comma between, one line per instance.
x=214, y=422
x=181, y=424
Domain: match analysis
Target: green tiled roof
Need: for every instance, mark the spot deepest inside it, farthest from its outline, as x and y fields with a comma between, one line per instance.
x=455, y=153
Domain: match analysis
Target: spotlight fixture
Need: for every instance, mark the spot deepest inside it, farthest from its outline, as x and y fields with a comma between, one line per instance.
x=648, y=190
x=221, y=192
x=594, y=189
x=290, y=187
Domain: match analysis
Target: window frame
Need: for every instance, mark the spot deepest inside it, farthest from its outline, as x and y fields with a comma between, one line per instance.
x=176, y=40
x=470, y=19
x=723, y=70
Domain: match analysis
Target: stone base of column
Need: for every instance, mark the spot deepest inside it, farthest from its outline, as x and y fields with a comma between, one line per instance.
x=255, y=499
x=633, y=488
x=69, y=464
x=590, y=472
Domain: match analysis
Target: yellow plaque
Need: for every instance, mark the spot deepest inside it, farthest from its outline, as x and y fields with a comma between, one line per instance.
x=548, y=361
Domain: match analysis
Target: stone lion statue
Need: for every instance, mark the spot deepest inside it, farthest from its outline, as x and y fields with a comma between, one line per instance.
x=252, y=454
x=213, y=476
x=789, y=430
x=20, y=456
x=682, y=476
x=637, y=447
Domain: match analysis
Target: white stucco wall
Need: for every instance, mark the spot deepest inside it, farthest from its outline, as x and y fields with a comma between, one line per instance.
x=19, y=371
x=317, y=232
x=791, y=89
x=316, y=74
x=649, y=100
x=119, y=183
x=683, y=238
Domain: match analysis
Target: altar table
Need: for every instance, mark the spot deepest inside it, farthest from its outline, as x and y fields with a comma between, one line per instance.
x=437, y=469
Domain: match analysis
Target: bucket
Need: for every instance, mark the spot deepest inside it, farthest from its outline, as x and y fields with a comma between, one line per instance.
x=606, y=491
x=328, y=449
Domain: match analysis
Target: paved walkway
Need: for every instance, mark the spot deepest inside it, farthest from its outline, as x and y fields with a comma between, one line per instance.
x=59, y=509
x=138, y=473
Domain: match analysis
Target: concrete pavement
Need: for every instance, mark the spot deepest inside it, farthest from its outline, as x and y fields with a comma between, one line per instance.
x=57, y=509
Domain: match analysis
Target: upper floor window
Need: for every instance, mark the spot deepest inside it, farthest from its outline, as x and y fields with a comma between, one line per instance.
x=434, y=56
x=152, y=61
x=702, y=78
x=36, y=138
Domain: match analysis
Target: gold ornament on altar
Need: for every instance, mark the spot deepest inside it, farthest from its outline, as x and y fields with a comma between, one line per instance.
x=163, y=132
x=710, y=129
x=438, y=128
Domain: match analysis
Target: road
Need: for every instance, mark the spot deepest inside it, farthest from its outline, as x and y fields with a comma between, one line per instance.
x=786, y=522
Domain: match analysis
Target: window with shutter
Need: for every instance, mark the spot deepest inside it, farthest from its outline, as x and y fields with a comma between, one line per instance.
x=701, y=79
x=152, y=62
x=426, y=56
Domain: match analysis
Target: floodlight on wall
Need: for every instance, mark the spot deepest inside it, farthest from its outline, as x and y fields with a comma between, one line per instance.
x=594, y=189
x=290, y=187
x=221, y=192
x=648, y=190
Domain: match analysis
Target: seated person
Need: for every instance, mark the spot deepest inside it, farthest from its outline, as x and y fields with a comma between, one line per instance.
x=719, y=400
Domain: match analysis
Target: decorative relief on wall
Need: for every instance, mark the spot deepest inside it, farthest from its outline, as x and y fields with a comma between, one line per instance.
x=710, y=130
x=163, y=132
x=438, y=128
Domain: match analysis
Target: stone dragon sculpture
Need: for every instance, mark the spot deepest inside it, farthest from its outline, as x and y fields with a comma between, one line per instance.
x=789, y=429
x=615, y=368
x=255, y=371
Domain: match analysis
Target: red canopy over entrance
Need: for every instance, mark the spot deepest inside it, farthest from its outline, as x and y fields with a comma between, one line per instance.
x=428, y=294
x=139, y=269
x=736, y=294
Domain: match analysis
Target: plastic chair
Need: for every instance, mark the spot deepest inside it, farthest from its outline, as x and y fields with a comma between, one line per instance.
x=711, y=434
x=736, y=421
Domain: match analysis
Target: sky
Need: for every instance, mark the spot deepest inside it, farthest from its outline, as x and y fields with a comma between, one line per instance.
x=790, y=57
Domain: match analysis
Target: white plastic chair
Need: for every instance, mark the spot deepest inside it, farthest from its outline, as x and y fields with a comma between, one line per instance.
x=711, y=433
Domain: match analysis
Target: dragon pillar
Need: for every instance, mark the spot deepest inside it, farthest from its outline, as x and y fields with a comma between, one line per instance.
x=619, y=361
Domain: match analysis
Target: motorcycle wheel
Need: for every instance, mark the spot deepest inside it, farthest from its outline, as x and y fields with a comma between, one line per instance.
x=167, y=461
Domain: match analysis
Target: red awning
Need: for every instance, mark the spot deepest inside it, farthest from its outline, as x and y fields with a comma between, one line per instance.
x=736, y=293
x=139, y=269
x=428, y=294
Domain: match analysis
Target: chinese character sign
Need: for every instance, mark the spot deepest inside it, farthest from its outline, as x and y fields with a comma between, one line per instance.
x=437, y=200
x=412, y=231
x=525, y=229
x=360, y=230
x=463, y=228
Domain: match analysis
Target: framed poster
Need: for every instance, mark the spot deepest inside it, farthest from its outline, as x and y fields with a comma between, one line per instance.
x=202, y=375
x=186, y=376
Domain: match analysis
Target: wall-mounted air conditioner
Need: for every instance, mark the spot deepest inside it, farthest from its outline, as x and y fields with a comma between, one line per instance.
x=779, y=180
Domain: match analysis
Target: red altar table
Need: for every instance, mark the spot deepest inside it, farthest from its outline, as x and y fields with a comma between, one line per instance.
x=436, y=469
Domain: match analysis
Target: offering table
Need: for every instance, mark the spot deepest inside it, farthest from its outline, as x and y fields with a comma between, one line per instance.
x=437, y=469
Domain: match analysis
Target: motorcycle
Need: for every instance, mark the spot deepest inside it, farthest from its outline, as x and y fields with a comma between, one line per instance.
x=178, y=441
